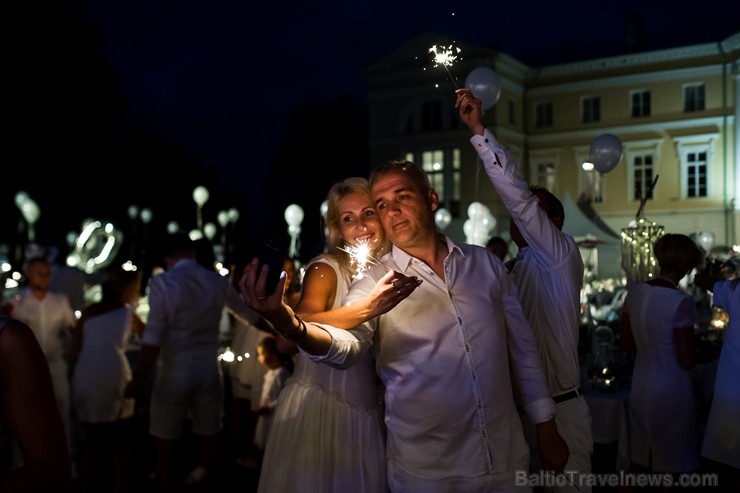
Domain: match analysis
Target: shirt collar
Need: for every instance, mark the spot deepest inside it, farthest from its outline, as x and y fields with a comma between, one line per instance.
x=403, y=260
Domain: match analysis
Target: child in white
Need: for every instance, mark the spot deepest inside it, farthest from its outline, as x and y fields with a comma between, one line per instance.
x=278, y=369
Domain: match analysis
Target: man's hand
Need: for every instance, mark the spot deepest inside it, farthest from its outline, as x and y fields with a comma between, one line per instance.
x=552, y=448
x=470, y=109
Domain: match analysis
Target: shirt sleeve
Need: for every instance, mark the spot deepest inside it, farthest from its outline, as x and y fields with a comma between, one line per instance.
x=545, y=238
x=526, y=364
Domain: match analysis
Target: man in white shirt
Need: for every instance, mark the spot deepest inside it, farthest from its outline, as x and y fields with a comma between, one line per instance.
x=182, y=335
x=445, y=354
x=548, y=274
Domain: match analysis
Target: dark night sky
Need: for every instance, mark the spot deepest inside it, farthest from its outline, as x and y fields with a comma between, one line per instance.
x=222, y=78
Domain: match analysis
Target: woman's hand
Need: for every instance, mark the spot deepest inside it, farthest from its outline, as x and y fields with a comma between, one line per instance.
x=390, y=290
x=269, y=305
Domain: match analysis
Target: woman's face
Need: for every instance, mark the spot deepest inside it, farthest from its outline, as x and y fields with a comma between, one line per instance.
x=358, y=220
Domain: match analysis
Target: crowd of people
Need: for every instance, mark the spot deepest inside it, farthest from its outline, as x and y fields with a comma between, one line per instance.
x=434, y=366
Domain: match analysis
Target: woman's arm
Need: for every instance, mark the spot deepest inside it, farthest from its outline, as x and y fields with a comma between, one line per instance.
x=390, y=290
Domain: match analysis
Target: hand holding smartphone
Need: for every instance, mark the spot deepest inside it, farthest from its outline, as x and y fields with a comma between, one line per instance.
x=272, y=254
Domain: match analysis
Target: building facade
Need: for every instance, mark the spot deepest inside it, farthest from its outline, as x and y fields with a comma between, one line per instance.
x=673, y=111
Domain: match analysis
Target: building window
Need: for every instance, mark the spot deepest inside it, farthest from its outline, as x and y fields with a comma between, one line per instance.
x=591, y=110
x=640, y=103
x=444, y=169
x=545, y=176
x=693, y=97
x=641, y=158
x=695, y=155
x=695, y=172
x=643, y=170
x=543, y=115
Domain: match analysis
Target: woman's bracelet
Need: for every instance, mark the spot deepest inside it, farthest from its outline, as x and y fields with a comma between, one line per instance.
x=302, y=335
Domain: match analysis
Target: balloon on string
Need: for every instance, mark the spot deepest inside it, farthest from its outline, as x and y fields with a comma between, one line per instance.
x=30, y=210
x=209, y=229
x=485, y=85
x=294, y=215
x=324, y=208
x=173, y=227
x=200, y=195
x=20, y=198
x=442, y=218
x=233, y=215
x=146, y=215
x=223, y=218
x=605, y=152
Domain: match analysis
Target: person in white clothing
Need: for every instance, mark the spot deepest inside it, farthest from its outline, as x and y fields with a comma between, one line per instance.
x=446, y=355
x=278, y=367
x=548, y=273
x=182, y=337
x=722, y=434
x=658, y=321
x=52, y=321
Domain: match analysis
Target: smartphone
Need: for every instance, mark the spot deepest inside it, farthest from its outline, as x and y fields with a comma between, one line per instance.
x=272, y=254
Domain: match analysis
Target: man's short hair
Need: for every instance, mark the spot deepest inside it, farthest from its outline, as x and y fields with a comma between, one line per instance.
x=176, y=244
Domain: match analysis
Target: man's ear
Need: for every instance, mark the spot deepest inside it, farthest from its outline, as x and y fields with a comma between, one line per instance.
x=433, y=200
x=558, y=221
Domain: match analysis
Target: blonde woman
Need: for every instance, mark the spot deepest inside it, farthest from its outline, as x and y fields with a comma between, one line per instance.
x=327, y=434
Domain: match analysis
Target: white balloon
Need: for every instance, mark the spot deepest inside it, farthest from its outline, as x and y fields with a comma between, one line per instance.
x=706, y=240
x=485, y=85
x=200, y=195
x=30, y=211
x=442, y=218
x=209, y=229
x=223, y=218
x=324, y=209
x=233, y=215
x=173, y=227
x=195, y=234
x=606, y=152
x=20, y=198
x=488, y=222
x=477, y=210
x=293, y=215
x=146, y=215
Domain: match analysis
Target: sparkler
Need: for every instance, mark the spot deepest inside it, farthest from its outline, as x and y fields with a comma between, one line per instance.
x=445, y=56
x=359, y=255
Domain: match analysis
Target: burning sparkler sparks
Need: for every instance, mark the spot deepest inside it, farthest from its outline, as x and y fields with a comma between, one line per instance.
x=359, y=256
x=445, y=56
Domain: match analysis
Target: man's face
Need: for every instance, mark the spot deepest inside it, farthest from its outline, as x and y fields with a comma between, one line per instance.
x=404, y=210
x=39, y=275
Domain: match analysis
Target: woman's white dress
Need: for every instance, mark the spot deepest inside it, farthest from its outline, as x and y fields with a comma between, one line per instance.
x=102, y=370
x=327, y=434
x=663, y=427
x=722, y=434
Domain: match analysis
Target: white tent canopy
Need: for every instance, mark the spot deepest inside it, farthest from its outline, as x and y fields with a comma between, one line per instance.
x=601, y=247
